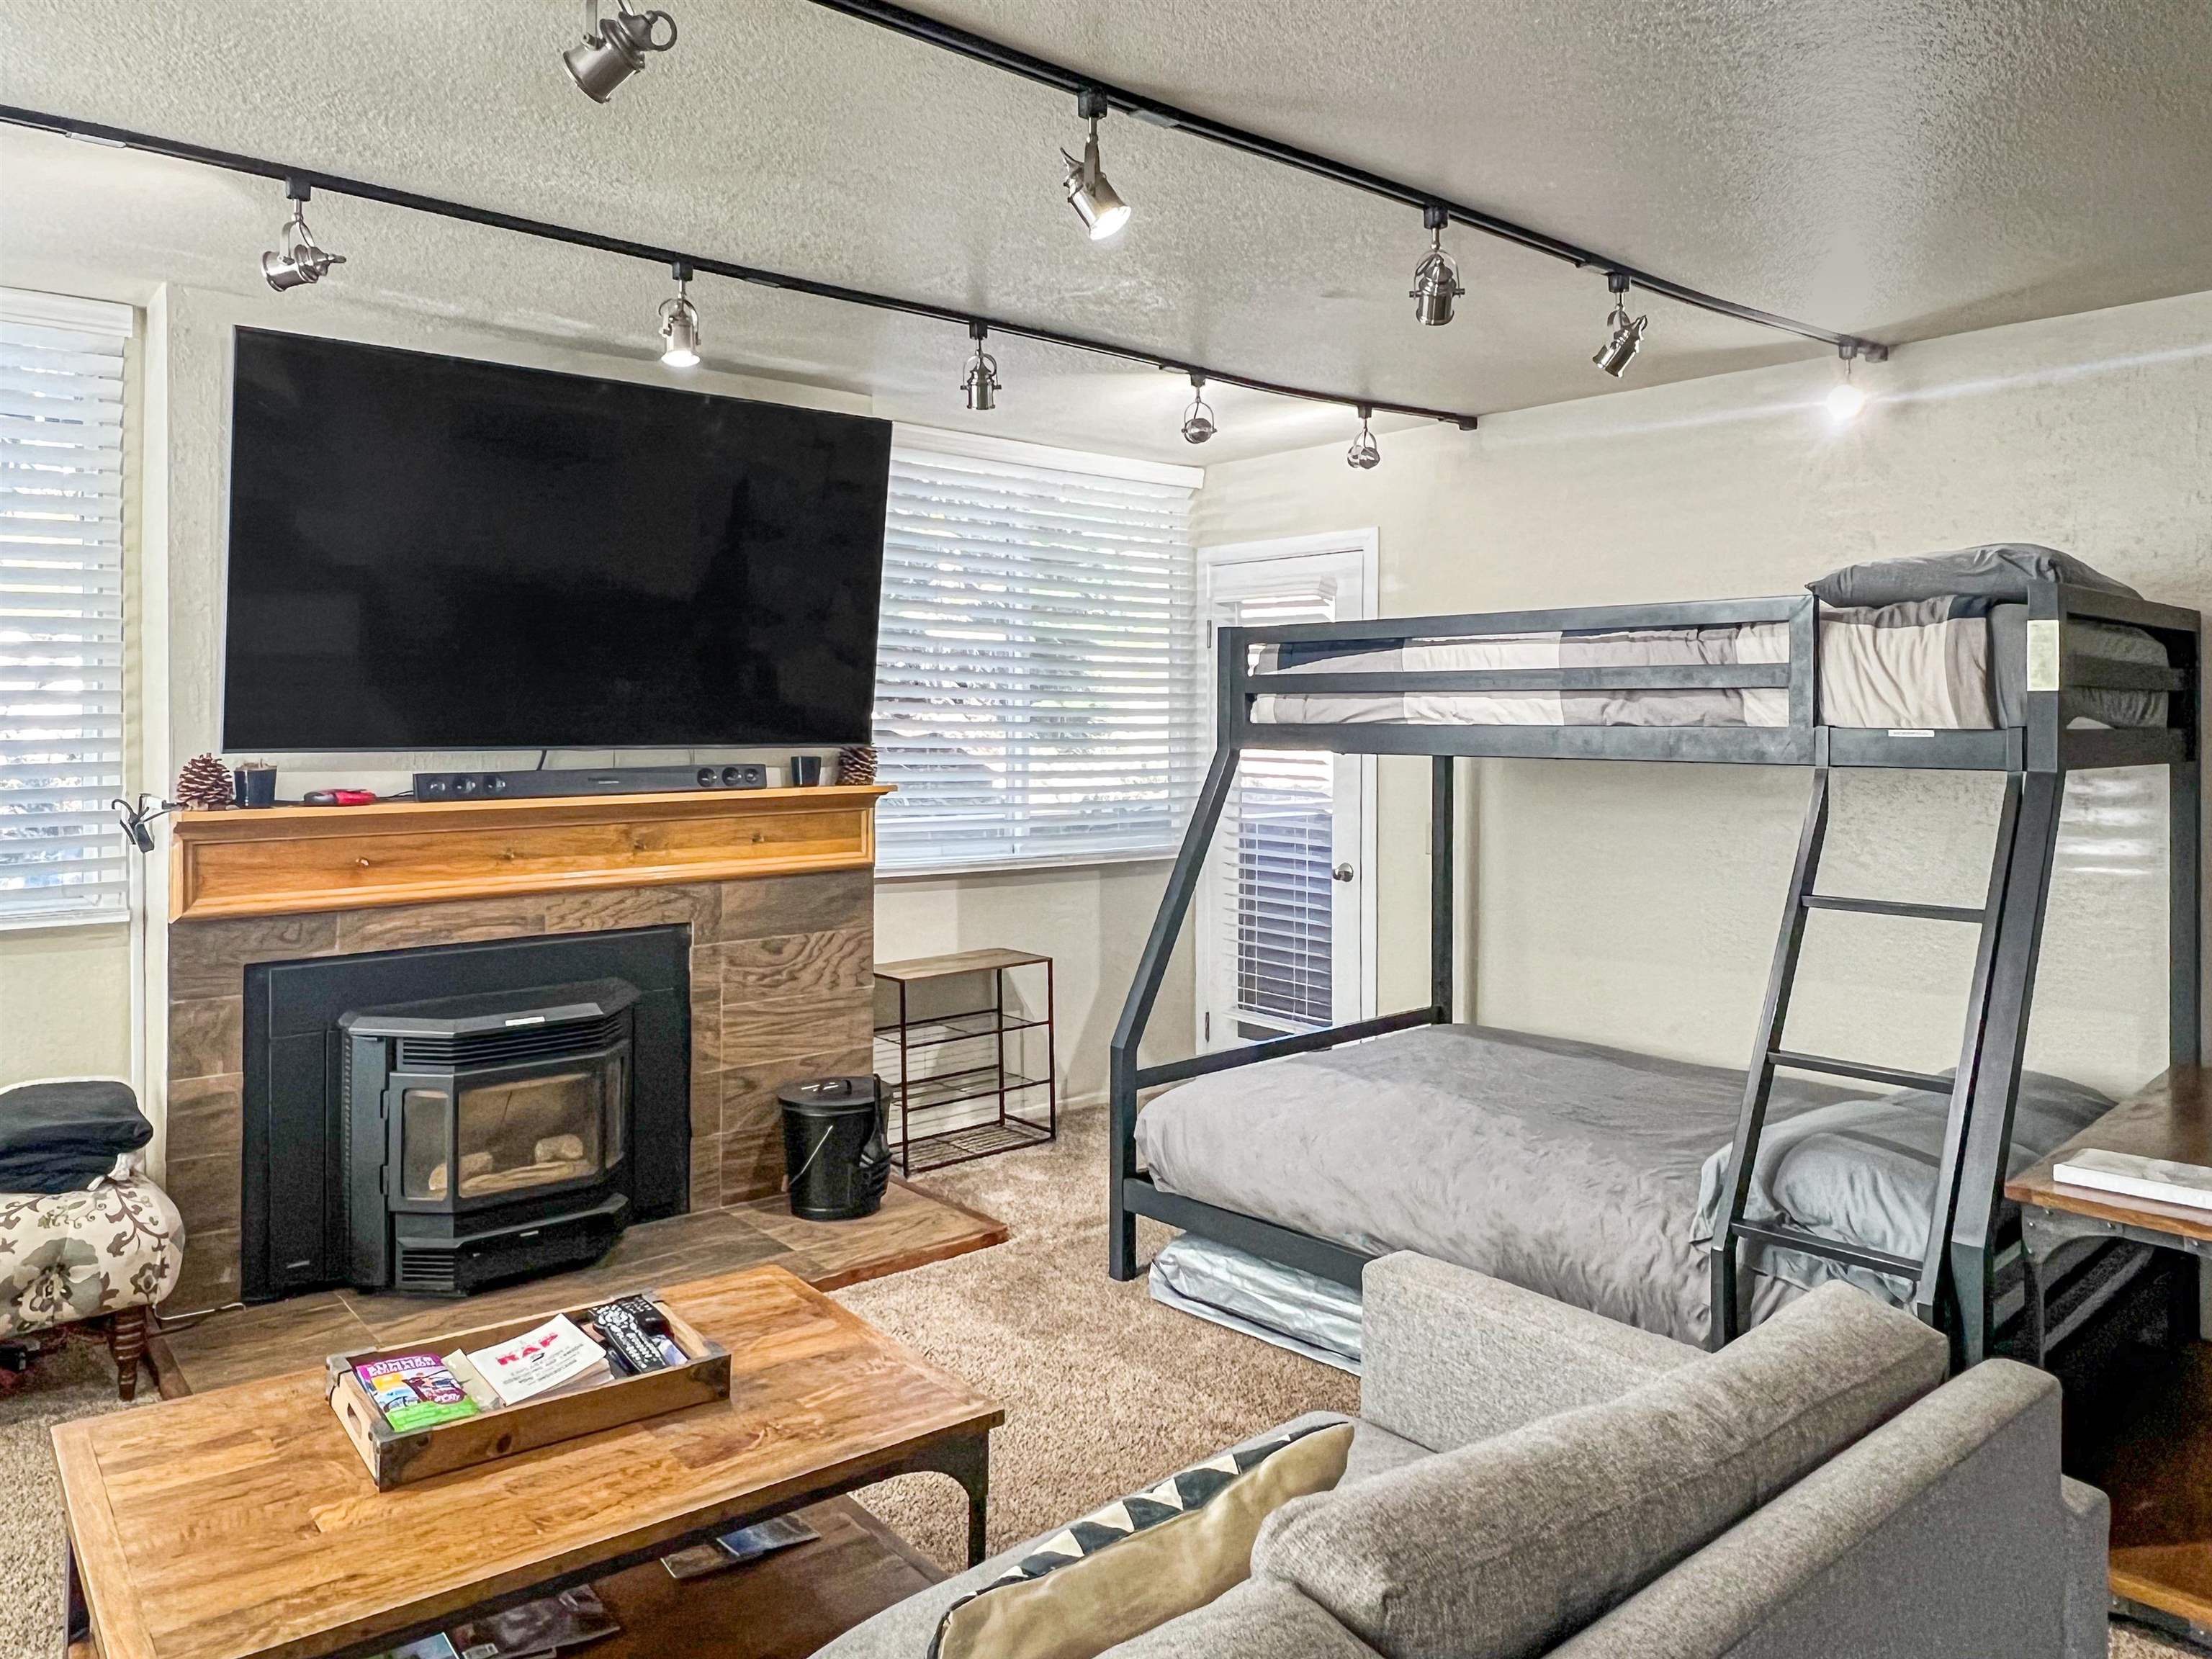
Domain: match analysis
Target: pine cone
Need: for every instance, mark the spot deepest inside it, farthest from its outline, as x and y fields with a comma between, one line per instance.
x=204, y=783
x=856, y=764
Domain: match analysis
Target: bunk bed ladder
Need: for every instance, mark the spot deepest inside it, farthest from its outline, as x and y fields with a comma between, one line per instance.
x=1996, y=1022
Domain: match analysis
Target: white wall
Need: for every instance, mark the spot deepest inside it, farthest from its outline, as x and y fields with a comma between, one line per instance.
x=1637, y=904
x=66, y=994
x=1092, y=920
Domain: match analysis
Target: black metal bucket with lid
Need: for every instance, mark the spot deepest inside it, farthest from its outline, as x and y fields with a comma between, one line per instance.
x=836, y=1150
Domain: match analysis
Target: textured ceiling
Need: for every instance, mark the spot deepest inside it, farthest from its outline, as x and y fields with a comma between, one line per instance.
x=1887, y=168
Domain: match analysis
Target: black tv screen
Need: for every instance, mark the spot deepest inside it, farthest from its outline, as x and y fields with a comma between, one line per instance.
x=430, y=553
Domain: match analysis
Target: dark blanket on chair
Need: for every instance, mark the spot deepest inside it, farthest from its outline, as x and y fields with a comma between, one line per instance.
x=60, y=1137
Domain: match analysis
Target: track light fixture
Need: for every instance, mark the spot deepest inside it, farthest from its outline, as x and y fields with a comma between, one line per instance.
x=1365, y=453
x=981, y=385
x=613, y=51
x=1197, y=423
x=680, y=322
x=1436, y=279
x=1844, y=400
x=301, y=261
x=1095, y=201
x=297, y=261
x=1627, y=339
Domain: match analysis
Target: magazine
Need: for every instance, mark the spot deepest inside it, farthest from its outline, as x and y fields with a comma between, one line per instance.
x=2126, y=1173
x=553, y=1355
x=414, y=1391
x=550, y=1625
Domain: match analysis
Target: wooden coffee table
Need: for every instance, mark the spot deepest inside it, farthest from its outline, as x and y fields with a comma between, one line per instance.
x=241, y=1522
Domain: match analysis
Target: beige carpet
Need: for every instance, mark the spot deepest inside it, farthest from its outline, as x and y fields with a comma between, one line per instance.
x=1105, y=1389
x=76, y=1381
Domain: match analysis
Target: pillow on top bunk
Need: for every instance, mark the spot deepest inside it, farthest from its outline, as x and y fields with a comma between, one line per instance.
x=2000, y=571
x=1865, y=1170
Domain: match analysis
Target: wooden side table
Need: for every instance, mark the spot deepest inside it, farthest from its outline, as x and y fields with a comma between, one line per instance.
x=969, y=1073
x=2150, y=1447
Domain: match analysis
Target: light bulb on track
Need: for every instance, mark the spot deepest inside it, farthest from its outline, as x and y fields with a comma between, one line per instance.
x=1436, y=279
x=679, y=323
x=297, y=261
x=1846, y=400
x=1198, y=421
x=981, y=385
x=1365, y=453
x=1096, y=202
x=1627, y=337
x=615, y=49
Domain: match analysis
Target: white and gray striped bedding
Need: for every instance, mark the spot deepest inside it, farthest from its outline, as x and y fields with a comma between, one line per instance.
x=1950, y=664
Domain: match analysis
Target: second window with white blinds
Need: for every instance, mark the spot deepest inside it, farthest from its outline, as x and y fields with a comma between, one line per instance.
x=62, y=855
x=1036, y=696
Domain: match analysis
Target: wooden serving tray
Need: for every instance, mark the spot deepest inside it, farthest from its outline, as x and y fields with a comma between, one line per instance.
x=395, y=1459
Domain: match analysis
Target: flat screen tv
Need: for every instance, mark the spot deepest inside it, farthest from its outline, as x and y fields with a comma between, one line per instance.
x=430, y=553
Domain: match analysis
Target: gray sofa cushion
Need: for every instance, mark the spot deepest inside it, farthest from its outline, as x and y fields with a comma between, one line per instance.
x=1455, y=1356
x=1378, y=1451
x=1932, y=1538
x=1502, y=1547
x=1260, y=1619
x=2001, y=570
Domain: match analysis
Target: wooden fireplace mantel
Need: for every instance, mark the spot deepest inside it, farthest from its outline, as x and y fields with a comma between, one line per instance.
x=284, y=859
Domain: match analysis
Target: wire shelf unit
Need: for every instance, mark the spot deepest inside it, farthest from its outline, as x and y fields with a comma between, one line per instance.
x=966, y=1054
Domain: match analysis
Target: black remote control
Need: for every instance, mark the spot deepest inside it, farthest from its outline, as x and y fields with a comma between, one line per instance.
x=624, y=1326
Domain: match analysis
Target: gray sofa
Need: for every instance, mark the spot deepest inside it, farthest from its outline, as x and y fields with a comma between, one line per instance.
x=1527, y=1477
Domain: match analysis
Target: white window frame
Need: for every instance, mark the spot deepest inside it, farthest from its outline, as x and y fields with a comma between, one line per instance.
x=109, y=903
x=926, y=442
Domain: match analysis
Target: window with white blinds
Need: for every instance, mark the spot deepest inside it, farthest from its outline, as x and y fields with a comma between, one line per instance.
x=1036, y=695
x=61, y=607
x=1280, y=821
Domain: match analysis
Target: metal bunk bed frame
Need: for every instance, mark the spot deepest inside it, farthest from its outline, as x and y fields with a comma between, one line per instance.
x=1954, y=1282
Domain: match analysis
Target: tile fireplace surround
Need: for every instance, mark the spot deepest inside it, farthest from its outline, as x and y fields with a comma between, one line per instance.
x=780, y=960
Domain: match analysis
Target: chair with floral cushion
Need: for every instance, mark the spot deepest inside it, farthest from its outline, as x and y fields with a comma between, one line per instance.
x=108, y=1250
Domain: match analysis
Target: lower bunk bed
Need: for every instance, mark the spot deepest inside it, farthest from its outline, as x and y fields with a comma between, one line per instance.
x=1588, y=1173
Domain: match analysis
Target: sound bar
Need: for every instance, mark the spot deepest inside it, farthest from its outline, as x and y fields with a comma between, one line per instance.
x=589, y=780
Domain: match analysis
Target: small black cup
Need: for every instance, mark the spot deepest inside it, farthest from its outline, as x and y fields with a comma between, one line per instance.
x=806, y=771
x=254, y=784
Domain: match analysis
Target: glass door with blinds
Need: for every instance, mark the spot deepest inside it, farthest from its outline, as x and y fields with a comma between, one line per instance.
x=1285, y=921
x=61, y=609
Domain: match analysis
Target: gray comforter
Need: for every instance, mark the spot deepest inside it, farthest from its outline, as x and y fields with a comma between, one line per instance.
x=1567, y=1168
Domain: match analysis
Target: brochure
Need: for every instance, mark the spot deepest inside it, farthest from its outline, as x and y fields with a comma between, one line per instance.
x=414, y=1390
x=551, y=1356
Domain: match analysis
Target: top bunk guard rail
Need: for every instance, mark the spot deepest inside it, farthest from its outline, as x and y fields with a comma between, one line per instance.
x=2060, y=661
x=1956, y=1279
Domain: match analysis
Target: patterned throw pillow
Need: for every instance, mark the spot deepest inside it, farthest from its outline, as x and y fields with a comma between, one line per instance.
x=1137, y=1563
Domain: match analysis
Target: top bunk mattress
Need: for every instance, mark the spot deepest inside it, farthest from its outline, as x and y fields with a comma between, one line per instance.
x=1588, y=1173
x=1953, y=664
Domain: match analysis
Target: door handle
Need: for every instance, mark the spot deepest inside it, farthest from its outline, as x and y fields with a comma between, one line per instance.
x=1342, y=872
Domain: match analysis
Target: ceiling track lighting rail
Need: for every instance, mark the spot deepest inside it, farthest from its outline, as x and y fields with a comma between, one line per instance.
x=964, y=43
x=338, y=184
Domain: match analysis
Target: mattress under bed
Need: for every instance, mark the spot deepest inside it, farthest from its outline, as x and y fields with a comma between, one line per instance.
x=1928, y=665
x=1572, y=1170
